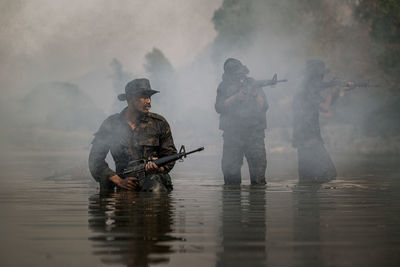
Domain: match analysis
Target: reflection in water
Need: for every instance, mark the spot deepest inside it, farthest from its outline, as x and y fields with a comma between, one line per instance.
x=131, y=227
x=306, y=227
x=352, y=221
x=243, y=228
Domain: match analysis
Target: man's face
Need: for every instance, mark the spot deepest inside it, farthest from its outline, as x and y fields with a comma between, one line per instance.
x=141, y=102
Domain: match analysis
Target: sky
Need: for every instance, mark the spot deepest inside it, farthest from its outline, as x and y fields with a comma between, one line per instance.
x=60, y=40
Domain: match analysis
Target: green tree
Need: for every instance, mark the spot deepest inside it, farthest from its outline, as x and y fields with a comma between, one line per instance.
x=383, y=16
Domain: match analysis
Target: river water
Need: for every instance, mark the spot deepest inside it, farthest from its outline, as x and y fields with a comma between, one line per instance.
x=53, y=215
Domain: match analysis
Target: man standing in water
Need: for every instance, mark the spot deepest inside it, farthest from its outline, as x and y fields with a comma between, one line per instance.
x=315, y=164
x=133, y=134
x=242, y=108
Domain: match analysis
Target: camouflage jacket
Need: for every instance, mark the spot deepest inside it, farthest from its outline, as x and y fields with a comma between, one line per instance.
x=151, y=138
x=246, y=114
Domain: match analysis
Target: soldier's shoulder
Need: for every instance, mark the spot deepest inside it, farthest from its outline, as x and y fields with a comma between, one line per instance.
x=112, y=118
x=111, y=121
x=222, y=84
x=227, y=85
x=156, y=116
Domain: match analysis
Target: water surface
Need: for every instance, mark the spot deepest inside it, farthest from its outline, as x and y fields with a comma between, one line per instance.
x=53, y=215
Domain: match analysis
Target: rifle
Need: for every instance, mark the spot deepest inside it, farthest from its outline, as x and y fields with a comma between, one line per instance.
x=264, y=83
x=250, y=83
x=349, y=85
x=136, y=168
x=346, y=86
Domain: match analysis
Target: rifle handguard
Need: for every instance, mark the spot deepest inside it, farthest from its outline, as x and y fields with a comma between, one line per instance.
x=182, y=154
x=136, y=168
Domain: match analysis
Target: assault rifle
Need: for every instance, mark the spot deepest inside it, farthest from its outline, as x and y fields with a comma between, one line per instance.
x=263, y=83
x=345, y=85
x=136, y=168
x=348, y=85
x=251, y=84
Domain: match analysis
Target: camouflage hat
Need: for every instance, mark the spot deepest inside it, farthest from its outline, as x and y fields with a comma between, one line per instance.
x=137, y=86
x=234, y=66
x=316, y=66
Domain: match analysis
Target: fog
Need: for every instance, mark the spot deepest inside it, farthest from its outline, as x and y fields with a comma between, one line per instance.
x=69, y=41
x=98, y=46
x=62, y=65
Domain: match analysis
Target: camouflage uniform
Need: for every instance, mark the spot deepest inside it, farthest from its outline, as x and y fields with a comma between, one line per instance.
x=151, y=138
x=315, y=164
x=243, y=124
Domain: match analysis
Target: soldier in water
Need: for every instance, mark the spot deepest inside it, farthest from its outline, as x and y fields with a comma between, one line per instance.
x=314, y=96
x=133, y=134
x=242, y=106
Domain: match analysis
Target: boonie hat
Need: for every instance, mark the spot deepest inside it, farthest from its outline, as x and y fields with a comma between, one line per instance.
x=137, y=86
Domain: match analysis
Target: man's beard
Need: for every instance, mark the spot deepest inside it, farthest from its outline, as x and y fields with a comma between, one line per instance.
x=142, y=112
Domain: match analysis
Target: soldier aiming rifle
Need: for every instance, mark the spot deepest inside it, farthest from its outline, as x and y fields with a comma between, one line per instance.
x=242, y=105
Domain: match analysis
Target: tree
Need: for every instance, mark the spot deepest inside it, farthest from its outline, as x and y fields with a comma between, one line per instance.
x=162, y=78
x=119, y=79
x=383, y=16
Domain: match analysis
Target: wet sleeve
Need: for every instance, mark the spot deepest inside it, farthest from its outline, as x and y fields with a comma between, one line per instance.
x=261, y=93
x=221, y=97
x=330, y=84
x=100, y=147
x=167, y=146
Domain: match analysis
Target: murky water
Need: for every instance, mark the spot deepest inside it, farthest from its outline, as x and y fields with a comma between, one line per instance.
x=58, y=218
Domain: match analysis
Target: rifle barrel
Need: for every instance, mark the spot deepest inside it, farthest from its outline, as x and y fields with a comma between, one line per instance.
x=165, y=160
x=193, y=151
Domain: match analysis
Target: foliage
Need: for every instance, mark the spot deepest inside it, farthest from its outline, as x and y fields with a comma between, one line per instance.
x=157, y=63
x=59, y=106
x=119, y=79
x=384, y=16
x=162, y=78
x=384, y=19
x=234, y=22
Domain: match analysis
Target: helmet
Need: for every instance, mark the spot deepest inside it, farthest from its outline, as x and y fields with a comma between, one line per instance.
x=316, y=66
x=234, y=66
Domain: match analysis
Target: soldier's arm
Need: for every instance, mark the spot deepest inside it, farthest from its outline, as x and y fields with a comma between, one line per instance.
x=223, y=102
x=99, y=168
x=101, y=143
x=219, y=102
x=328, y=99
x=240, y=95
x=97, y=165
x=332, y=83
x=262, y=99
x=167, y=146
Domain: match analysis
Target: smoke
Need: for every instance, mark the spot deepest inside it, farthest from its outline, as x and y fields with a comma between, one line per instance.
x=100, y=45
x=69, y=41
x=61, y=40
x=280, y=36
